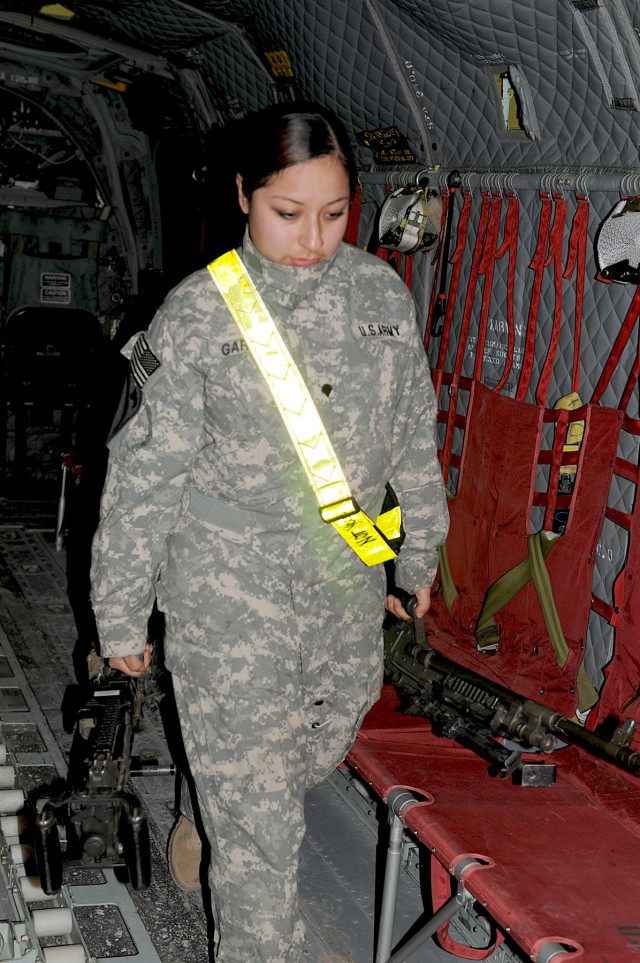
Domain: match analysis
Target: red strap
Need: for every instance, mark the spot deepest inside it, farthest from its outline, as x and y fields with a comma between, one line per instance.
x=478, y=257
x=408, y=271
x=353, y=221
x=616, y=352
x=630, y=472
x=537, y=265
x=487, y=267
x=631, y=382
x=456, y=262
x=577, y=255
x=555, y=258
x=401, y=263
x=510, y=246
x=450, y=417
x=478, y=253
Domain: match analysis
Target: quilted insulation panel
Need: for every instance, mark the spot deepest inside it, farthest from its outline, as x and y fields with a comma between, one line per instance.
x=429, y=67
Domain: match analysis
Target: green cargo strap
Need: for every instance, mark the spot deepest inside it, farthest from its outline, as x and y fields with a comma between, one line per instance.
x=447, y=585
x=505, y=588
x=449, y=590
x=587, y=694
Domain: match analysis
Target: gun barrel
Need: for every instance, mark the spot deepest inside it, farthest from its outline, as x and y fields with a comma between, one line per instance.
x=626, y=757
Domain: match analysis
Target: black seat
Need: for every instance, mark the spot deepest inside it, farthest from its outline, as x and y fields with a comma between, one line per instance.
x=49, y=363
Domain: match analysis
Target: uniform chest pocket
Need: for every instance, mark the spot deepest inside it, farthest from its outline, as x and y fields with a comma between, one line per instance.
x=353, y=390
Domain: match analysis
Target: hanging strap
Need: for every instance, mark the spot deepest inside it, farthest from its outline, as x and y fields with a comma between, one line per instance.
x=487, y=268
x=509, y=246
x=624, y=334
x=447, y=585
x=477, y=261
x=537, y=265
x=370, y=541
x=353, y=220
x=532, y=568
x=554, y=257
x=576, y=260
x=502, y=591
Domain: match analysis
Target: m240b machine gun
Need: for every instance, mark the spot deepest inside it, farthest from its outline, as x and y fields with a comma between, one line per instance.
x=106, y=826
x=496, y=723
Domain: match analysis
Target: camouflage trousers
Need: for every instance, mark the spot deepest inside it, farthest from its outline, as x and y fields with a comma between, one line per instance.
x=258, y=733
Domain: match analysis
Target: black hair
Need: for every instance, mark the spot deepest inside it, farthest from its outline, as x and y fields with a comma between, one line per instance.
x=285, y=134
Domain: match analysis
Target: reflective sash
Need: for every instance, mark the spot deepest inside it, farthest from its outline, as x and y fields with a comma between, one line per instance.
x=338, y=507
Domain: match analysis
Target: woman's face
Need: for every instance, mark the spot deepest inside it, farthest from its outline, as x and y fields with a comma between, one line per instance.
x=300, y=215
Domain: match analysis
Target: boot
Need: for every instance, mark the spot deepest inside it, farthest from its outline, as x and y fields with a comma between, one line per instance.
x=184, y=854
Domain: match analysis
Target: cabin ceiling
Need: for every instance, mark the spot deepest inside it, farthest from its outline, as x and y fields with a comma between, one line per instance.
x=430, y=68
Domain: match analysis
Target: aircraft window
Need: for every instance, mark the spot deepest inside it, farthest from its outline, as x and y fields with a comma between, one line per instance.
x=514, y=103
x=511, y=110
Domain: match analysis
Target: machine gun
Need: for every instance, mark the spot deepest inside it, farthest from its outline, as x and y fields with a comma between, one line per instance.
x=494, y=722
x=106, y=826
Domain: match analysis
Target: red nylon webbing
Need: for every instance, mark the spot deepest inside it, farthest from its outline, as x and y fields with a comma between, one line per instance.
x=616, y=352
x=537, y=265
x=555, y=258
x=478, y=257
x=619, y=693
x=631, y=382
x=450, y=417
x=630, y=472
x=401, y=263
x=510, y=246
x=487, y=268
x=353, y=220
x=464, y=330
x=478, y=253
x=576, y=256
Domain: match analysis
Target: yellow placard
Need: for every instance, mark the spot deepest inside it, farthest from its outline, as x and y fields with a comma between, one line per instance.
x=279, y=62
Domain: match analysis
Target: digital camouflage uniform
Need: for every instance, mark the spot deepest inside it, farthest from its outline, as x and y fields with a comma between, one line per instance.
x=273, y=624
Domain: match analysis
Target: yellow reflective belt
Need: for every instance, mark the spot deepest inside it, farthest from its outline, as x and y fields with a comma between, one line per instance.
x=311, y=442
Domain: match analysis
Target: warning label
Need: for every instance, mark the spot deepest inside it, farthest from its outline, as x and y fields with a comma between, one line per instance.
x=388, y=146
x=55, y=288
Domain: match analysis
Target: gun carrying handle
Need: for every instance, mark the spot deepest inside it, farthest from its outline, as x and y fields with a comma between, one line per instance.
x=409, y=602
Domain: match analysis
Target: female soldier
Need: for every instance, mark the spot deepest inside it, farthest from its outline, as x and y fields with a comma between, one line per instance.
x=273, y=622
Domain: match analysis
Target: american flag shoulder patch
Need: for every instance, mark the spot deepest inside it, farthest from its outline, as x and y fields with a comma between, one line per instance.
x=143, y=361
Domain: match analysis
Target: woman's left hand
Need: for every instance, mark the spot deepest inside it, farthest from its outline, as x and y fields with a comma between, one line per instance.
x=395, y=606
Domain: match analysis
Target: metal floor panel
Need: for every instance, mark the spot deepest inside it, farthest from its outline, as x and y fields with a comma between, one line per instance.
x=339, y=858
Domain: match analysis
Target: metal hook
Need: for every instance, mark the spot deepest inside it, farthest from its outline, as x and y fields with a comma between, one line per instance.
x=581, y=187
x=465, y=180
x=630, y=185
